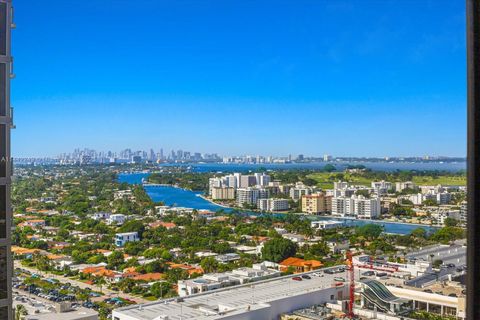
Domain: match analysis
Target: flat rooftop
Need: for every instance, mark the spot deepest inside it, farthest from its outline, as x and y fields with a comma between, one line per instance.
x=456, y=254
x=234, y=300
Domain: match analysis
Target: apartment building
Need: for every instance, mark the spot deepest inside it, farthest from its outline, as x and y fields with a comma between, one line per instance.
x=262, y=179
x=250, y=195
x=381, y=187
x=366, y=208
x=316, y=203
x=400, y=186
x=340, y=185
x=356, y=206
x=273, y=204
x=247, y=181
x=300, y=190
x=443, y=197
x=222, y=193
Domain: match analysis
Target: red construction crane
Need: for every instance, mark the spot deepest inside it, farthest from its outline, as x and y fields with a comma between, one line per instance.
x=351, y=276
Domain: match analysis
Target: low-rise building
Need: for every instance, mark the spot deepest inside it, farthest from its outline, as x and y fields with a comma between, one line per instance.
x=101, y=215
x=122, y=238
x=299, y=265
x=267, y=299
x=214, y=281
x=326, y=224
x=116, y=219
x=228, y=257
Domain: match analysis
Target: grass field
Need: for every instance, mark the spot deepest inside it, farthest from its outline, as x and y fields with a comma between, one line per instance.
x=325, y=180
x=443, y=180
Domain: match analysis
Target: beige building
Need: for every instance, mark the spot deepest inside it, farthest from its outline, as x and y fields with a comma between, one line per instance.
x=223, y=193
x=316, y=203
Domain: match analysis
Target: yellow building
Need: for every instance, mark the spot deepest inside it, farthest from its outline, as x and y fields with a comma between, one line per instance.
x=316, y=203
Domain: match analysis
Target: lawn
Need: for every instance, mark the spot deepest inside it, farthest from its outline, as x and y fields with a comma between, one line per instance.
x=325, y=180
x=443, y=180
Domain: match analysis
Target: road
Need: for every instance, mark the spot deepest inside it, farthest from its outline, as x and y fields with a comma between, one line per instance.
x=107, y=293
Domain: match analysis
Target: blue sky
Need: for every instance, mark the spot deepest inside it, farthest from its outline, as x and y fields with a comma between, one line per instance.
x=361, y=78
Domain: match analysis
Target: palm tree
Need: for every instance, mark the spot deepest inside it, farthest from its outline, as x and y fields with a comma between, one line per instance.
x=20, y=312
x=100, y=282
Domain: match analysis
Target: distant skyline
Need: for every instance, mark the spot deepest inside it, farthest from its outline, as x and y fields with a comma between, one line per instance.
x=347, y=78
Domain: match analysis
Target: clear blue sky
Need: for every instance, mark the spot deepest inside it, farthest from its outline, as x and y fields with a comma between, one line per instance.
x=363, y=78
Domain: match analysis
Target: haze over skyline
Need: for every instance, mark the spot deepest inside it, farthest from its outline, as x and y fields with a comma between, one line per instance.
x=233, y=78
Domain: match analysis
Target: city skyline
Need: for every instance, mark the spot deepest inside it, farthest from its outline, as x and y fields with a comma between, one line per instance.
x=184, y=74
x=179, y=154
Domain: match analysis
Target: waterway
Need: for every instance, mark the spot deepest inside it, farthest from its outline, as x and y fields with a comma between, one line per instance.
x=340, y=166
x=178, y=197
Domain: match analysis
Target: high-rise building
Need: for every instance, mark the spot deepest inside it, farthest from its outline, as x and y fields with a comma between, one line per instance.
x=250, y=195
x=316, y=203
x=6, y=264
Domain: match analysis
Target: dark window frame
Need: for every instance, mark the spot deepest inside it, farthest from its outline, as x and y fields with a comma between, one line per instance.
x=473, y=159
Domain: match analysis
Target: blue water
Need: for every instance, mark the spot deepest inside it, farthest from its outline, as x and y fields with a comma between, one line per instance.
x=180, y=198
x=172, y=196
x=376, y=166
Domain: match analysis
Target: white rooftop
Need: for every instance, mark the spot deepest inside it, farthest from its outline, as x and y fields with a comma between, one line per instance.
x=229, y=301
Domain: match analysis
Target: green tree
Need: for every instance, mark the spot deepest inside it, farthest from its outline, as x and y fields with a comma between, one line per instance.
x=419, y=233
x=160, y=289
x=278, y=249
x=100, y=282
x=429, y=202
x=369, y=231
x=209, y=264
x=450, y=222
x=154, y=266
x=133, y=226
x=115, y=260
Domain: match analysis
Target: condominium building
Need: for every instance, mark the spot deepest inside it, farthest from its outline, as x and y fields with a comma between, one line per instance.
x=316, y=203
x=247, y=181
x=381, y=187
x=250, y=195
x=356, y=206
x=6, y=264
x=443, y=197
x=223, y=193
x=300, y=190
x=340, y=185
x=366, y=208
x=273, y=204
x=262, y=179
x=419, y=198
x=400, y=186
